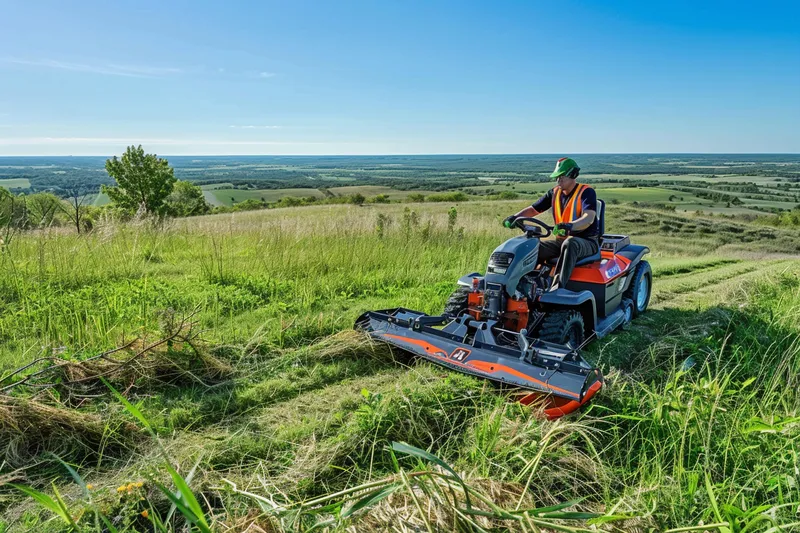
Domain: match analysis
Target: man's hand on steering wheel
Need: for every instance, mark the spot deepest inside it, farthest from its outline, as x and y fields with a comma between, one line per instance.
x=563, y=228
x=509, y=221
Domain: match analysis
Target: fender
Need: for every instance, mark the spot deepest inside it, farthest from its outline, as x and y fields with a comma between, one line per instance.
x=584, y=301
x=466, y=281
x=634, y=252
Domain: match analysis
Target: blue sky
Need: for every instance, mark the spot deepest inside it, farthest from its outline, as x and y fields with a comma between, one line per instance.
x=392, y=77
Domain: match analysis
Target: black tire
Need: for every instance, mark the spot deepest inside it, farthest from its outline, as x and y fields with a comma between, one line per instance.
x=563, y=327
x=634, y=289
x=457, y=303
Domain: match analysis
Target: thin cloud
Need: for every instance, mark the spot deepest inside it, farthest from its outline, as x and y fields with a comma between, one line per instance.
x=110, y=69
x=266, y=74
x=252, y=127
x=146, y=71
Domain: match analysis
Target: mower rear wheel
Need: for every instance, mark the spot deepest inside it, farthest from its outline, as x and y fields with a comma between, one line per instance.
x=640, y=288
x=563, y=327
x=457, y=303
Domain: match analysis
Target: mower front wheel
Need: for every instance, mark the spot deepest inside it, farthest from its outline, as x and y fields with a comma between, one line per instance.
x=457, y=303
x=563, y=327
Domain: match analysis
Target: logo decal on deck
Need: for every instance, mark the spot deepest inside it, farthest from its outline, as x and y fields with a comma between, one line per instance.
x=459, y=354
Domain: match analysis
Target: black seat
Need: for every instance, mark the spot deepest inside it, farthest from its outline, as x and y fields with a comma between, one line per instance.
x=590, y=259
x=601, y=212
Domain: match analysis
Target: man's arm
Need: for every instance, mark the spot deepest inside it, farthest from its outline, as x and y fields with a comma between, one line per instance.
x=585, y=221
x=589, y=206
x=527, y=212
x=539, y=206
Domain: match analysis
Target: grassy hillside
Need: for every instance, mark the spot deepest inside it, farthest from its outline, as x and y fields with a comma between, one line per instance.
x=271, y=400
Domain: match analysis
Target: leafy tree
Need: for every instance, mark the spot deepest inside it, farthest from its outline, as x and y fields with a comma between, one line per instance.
x=357, y=199
x=448, y=197
x=144, y=181
x=290, y=201
x=7, y=226
x=76, y=209
x=41, y=209
x=249, y=205
x=186, y=200
x=504, y=195
x=6, y=203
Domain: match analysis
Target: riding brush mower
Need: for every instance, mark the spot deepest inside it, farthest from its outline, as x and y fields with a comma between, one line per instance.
x=510, y=327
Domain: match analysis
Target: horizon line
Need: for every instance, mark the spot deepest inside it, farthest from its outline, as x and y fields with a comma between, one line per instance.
x=443, y=154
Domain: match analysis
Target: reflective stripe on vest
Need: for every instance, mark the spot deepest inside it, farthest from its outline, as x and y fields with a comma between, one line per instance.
x=573, y=210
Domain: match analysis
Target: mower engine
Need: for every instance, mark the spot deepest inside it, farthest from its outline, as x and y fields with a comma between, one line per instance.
x=492, y=302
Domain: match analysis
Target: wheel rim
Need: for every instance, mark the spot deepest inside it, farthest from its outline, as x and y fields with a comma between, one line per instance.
x=572, y=337
x=641, y=293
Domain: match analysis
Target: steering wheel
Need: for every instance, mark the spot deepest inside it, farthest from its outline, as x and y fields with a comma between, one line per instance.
x=520, y=223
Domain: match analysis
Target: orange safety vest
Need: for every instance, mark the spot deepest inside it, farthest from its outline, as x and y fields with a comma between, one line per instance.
x=573, y=210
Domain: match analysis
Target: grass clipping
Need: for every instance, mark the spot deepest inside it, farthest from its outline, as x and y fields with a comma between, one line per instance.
x=174, y=363
x=135, y=364
x=43, y=413
x=29, y=427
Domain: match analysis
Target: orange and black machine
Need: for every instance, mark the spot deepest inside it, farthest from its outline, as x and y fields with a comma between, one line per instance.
x=499, y=332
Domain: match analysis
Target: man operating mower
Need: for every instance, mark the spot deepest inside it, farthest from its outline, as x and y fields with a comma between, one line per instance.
x=575, y=213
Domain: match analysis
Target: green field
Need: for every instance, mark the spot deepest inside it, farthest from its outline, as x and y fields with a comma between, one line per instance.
x=273, y=394
x=533, y=189
x=646, y=194
x=228, y=197
x=681, y=200
x=374, y=190
x=216, y=186
x=233, y=196
x=15, y=183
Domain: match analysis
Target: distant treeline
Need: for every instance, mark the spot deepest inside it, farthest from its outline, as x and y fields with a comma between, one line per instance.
x=65, y=175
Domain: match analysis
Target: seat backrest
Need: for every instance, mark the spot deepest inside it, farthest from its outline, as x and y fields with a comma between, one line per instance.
x=601, y=216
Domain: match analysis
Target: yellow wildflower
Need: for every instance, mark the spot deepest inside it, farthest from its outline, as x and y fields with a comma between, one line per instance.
x=89, y=486
x=145, y=513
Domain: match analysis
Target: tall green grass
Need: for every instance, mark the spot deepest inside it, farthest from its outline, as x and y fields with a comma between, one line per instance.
x=303, y=434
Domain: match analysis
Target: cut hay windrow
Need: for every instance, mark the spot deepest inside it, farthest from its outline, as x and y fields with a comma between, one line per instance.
x=347, y=343
x=30, y=427
x=136, y=364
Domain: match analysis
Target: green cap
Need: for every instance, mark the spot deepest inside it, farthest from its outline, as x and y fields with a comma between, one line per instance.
x=564, y=165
